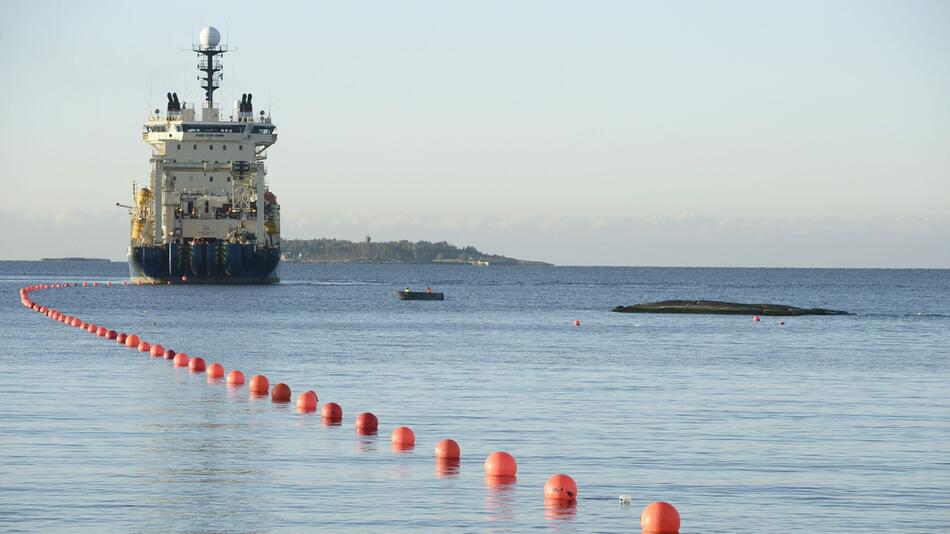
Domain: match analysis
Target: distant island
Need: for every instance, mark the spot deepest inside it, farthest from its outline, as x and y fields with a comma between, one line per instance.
x=326, y=250
x=75, y=259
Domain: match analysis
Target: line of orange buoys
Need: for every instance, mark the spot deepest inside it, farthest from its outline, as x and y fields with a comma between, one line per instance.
x=500, y=466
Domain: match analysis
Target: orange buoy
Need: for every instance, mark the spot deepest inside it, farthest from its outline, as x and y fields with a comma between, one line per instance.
x=367, y=422
x=184, y=278
x=180, y=360
x=112, y=334
x=235, y=378
x=560, y=488
x=169, y=354
x=76, y=321
x=91, y=328
x=332, y=411
x=144, y=346
x=501, y=464
x=157, y=351
x=102, y=331
x=448, y=449
x=577, y=322
x=132, y=340
x=756, y=318
x=259, y=385
x=279, y=393
x=215, y=370
x=660, y=518
x=196, y=364
x=403, y=435
x=121, y=338
x=307, y=402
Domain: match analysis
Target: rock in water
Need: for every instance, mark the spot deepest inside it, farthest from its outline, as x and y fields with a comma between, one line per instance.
x=723, y=308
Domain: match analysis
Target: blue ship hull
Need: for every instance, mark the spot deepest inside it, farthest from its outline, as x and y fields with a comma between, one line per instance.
x=205, y=263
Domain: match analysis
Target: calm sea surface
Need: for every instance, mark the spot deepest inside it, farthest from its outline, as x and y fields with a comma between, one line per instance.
x=825, y=424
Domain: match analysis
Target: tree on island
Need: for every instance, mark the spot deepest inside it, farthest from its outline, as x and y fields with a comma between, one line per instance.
x=404, y=251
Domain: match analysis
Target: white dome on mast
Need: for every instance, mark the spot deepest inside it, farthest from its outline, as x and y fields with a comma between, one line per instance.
x=209, y=37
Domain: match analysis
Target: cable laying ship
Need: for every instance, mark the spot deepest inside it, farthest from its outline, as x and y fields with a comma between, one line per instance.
x=207, y=215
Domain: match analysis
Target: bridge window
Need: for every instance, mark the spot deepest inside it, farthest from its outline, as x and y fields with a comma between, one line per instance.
x=212, y=128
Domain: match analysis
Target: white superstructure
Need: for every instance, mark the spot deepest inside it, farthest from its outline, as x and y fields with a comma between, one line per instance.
x=208, y=180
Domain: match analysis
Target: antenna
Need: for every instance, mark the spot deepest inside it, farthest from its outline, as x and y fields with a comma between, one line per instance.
x=207, y=49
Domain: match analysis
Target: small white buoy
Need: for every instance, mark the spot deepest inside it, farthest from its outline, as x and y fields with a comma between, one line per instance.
x=625, y=500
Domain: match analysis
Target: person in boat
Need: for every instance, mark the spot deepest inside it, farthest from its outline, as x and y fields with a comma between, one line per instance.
x=407, y=290
x=428, y=290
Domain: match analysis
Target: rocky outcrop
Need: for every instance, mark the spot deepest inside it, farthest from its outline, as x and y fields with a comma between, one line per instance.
x=723, y=308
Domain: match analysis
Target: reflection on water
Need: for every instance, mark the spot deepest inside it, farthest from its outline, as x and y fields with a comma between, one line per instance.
x=236, y=393
x=447, y=467
x=560, y=510
x=500, y=498
x=366, y=442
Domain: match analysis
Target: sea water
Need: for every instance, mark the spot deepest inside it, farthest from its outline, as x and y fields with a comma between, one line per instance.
x=823, y=424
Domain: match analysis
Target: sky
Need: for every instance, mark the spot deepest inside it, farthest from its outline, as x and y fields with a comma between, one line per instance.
x=732, y=133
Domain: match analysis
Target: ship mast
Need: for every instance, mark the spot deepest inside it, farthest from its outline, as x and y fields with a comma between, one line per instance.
x=209, y=64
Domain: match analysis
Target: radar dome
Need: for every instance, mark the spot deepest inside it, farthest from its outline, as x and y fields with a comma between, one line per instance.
x=209, y=37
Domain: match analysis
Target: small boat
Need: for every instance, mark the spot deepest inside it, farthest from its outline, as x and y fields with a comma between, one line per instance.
x=418, y=295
